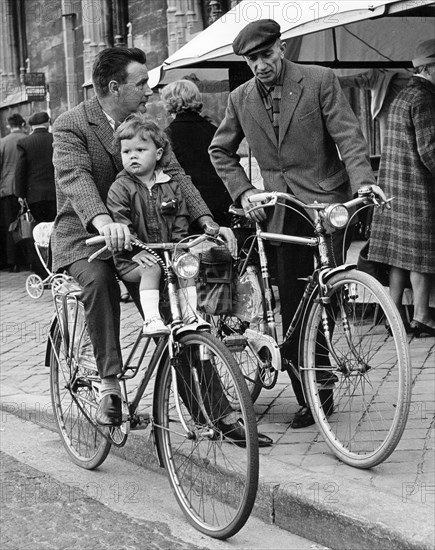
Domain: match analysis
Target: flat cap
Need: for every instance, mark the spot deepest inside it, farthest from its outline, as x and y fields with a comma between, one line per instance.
x=424, y=53
x=39, y=118
x=256, y=36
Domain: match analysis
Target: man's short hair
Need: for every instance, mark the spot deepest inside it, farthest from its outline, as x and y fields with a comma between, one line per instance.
x=16, y=121
x=111, y=64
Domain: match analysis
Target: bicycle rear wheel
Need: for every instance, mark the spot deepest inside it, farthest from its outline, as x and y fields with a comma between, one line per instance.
x=366, y=379
x=73, y=396
x=214, y=480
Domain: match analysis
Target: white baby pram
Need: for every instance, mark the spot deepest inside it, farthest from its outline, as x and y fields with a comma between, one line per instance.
x=34, y=283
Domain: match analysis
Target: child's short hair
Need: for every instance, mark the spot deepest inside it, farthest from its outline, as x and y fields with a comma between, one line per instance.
x=142, y=126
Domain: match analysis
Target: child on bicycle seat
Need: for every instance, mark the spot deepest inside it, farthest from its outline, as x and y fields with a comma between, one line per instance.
x=152, y=205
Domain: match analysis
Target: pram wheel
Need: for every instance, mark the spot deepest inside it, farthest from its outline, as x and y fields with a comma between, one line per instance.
x=56, y=283
x=34, y=286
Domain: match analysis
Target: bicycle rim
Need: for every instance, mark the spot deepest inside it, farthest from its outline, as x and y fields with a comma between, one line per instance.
x=214, y=481
x=74, y=407
x=371, y=390
x=230, y=330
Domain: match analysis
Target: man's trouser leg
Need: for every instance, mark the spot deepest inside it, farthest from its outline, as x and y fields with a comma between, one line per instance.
x=293, y=262
x=101, y=298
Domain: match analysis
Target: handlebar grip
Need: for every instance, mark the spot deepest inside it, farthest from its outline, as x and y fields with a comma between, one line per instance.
x=96, y=240
x=259, y=197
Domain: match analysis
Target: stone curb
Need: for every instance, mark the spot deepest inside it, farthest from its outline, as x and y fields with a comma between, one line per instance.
x=281, y=503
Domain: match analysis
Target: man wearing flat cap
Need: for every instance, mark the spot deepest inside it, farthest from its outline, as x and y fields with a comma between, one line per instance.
x=307, y=141
x=34, y=176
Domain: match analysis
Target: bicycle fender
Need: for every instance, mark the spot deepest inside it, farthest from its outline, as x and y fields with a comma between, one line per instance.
x=53, y=326
x=189, y=328
x=257, y=340
x=339, y=269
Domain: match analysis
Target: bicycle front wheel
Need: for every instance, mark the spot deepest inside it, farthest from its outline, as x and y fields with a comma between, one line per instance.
x=359, y=389
x=73, y=396
x=214, y=478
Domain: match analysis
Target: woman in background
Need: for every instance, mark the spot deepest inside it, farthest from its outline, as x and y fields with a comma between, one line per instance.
x=190, y=135
x=404, y=237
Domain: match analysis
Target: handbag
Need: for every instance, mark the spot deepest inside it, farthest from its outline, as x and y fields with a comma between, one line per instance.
x=377, y=270
x=21, y=229
x=215, y=282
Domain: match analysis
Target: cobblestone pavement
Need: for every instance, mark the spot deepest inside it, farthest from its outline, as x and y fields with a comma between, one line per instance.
x=46, y=517
x=305, y=488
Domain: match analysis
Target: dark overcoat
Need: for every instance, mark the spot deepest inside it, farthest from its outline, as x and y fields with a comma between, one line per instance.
x=86, y=164
x=404, y=236
x=34, y=174
x=191, y=135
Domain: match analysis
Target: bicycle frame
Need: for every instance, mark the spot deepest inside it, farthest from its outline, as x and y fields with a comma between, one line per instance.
x=323, y=269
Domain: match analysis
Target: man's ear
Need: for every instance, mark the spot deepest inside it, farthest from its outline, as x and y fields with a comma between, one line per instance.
x=114, y=87
x=283, y=47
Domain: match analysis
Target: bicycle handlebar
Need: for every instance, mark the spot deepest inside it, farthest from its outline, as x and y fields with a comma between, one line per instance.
x=187, y=245
x=365, y=194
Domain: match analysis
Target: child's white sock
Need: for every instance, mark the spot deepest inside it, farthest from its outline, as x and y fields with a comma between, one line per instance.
x=188, y=303
x=149, y=300
x=110, y=385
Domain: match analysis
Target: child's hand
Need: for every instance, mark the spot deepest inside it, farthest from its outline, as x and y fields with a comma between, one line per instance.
x=145, y=259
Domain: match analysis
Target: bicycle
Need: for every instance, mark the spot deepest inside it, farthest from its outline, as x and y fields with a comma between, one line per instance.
x=349, y=335
x=213, y=478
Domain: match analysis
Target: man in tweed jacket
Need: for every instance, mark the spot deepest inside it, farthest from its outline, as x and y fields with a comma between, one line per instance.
x=307, y=142
x=86, y=164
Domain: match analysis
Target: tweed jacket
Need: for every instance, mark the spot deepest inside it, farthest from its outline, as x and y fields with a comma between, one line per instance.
x=34, y=174
x=86, y=164
x=404, y=236
x=316, y=127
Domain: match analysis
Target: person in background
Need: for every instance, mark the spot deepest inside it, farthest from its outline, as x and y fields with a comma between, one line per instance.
x=34, y=178
x=191, y=135
x=308, y=142
x=404, y=236
x=11, y=254
x=384, y=85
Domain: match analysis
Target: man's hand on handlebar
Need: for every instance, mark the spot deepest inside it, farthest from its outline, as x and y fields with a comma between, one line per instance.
x=230, y=240
x=380, y=199
x=117, y=235
x=257, y=215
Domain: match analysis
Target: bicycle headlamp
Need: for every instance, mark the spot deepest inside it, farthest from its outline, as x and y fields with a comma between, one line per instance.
x=186, y=265
x=337, y=215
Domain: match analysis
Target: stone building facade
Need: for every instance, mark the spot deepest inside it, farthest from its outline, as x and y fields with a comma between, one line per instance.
x=47, y=47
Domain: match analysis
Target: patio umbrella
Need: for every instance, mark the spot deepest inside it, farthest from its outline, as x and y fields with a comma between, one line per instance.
x=339, y=34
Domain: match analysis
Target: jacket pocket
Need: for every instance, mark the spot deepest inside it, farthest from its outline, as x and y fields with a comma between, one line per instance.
x=335, y=180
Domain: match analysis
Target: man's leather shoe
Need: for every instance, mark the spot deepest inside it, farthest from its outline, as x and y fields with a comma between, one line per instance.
x=109, y=412
x=417, y=329
x=236, y=433
x=304, y=417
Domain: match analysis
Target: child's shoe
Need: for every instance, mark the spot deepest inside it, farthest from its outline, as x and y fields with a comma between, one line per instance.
x=155, y=327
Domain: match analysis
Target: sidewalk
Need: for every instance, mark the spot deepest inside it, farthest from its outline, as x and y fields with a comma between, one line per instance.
x=303, y=488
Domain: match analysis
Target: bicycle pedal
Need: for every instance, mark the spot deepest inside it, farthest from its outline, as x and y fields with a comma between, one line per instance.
x=235, y=342
x=140, y=422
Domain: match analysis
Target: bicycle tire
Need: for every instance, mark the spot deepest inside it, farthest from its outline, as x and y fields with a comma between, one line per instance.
x=372, y=390
x=74, y=408
x=214, y=480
